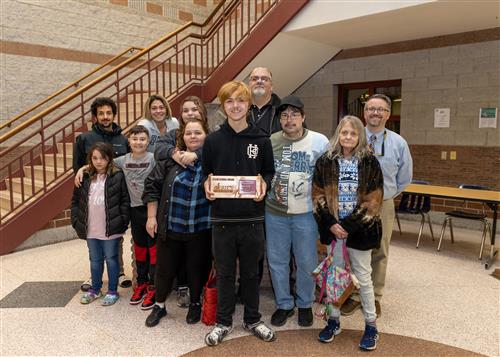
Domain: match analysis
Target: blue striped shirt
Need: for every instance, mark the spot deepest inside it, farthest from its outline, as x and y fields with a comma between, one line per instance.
x=396, y=162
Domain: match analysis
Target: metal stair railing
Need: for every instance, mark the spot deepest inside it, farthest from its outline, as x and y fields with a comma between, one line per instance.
x=183, y=58
x=73, y=85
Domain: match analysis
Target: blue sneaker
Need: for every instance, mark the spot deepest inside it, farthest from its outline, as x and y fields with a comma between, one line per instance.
x=331, y=330
x=369, y=340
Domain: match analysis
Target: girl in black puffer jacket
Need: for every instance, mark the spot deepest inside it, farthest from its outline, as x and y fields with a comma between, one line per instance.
x=100, y=212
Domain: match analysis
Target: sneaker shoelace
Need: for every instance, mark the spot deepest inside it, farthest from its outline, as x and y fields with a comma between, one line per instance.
x=371, y=335
x=332, y=326
x=218, y=331
x=138, y=292
x=149, y=299
x=263, y=330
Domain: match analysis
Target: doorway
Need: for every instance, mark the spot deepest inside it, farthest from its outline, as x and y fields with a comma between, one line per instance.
x=352, y=98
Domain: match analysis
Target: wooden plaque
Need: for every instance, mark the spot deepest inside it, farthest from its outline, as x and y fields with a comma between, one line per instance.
x=235, y=186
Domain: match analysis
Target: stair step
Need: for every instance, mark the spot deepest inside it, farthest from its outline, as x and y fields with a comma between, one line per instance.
x=5, y=199
x=3, y=212
x=15, y=184
x=69, y=148
x=17, y=199
x=38, y=172
x=138, y=104
x=59, y=159
x=137, y=97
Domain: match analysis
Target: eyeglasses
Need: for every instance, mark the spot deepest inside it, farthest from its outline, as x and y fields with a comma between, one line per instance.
x=260, y=78
x=292, y=115
x=378, y=110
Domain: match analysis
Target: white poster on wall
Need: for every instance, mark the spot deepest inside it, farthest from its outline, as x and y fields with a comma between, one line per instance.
x=442, y=117
x=488, y=117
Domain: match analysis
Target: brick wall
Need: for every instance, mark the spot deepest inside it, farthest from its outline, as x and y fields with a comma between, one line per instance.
x=460, y=72
x=45, y=45
x=462, y=77
x=61, y=220
x=196, y=10
x=474, y=165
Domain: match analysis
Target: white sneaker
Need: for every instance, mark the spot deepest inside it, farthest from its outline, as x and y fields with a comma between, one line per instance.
x=217, y=334
x=183, y=299
x=261, y=330
x=124, y=281
x=86, y=285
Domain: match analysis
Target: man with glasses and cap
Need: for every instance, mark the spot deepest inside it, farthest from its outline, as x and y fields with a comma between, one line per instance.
x=290, y=225
x=395, y=160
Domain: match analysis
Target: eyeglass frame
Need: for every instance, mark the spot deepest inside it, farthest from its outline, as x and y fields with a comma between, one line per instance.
x=260, y=78
x=377, y=110
x=294, y=115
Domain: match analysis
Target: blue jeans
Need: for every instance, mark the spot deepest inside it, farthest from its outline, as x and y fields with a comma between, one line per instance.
x=100, y=250
x=297, y=232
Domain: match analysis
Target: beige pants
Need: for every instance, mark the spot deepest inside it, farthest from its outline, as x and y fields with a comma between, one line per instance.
x=380, y=256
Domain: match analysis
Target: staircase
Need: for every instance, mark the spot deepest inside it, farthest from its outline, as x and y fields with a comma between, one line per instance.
x=36, y=179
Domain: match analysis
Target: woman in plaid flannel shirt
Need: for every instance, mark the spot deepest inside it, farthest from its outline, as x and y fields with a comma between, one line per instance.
x=179, y=212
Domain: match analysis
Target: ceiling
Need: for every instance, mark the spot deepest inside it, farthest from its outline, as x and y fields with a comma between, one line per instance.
x=325, y=27
x=355, y=24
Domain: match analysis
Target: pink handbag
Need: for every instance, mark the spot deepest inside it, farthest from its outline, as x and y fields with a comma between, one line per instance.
x=335, y=282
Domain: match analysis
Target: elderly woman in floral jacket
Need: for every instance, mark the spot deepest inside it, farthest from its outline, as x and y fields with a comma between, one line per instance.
x=347, y=197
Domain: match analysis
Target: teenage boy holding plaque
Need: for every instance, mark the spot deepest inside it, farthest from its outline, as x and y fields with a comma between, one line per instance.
x=236, y=158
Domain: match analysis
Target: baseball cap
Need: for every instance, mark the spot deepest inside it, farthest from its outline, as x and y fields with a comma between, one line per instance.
x=291, y=100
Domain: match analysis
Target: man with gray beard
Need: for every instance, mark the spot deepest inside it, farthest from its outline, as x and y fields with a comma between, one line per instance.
x=264, y=109
x=264, y=113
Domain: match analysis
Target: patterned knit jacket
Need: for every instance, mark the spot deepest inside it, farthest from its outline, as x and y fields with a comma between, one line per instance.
x=363, y=224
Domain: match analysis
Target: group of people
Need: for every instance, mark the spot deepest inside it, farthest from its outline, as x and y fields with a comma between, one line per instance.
x=338, y=190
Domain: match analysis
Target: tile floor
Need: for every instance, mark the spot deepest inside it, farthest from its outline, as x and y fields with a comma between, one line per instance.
x=445, y=297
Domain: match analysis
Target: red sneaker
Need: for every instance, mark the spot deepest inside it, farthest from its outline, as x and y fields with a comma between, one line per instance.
x=150, y=298
x=139, y=294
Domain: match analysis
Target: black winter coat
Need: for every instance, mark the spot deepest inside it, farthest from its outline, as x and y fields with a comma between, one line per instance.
x=85, y=141
x=117, y=205
x=158, y=187
x=269, y=121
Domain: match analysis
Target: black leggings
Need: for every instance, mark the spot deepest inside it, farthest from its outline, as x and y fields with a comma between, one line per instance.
x=195, y=255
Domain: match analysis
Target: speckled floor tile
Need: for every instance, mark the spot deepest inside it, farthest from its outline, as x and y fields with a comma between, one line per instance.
x=446, y=297
x=57, y=332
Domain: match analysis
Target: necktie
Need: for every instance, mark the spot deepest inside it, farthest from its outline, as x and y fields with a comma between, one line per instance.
x=371, y=143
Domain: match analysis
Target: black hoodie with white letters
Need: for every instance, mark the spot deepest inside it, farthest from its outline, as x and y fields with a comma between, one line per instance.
x=247, y=153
